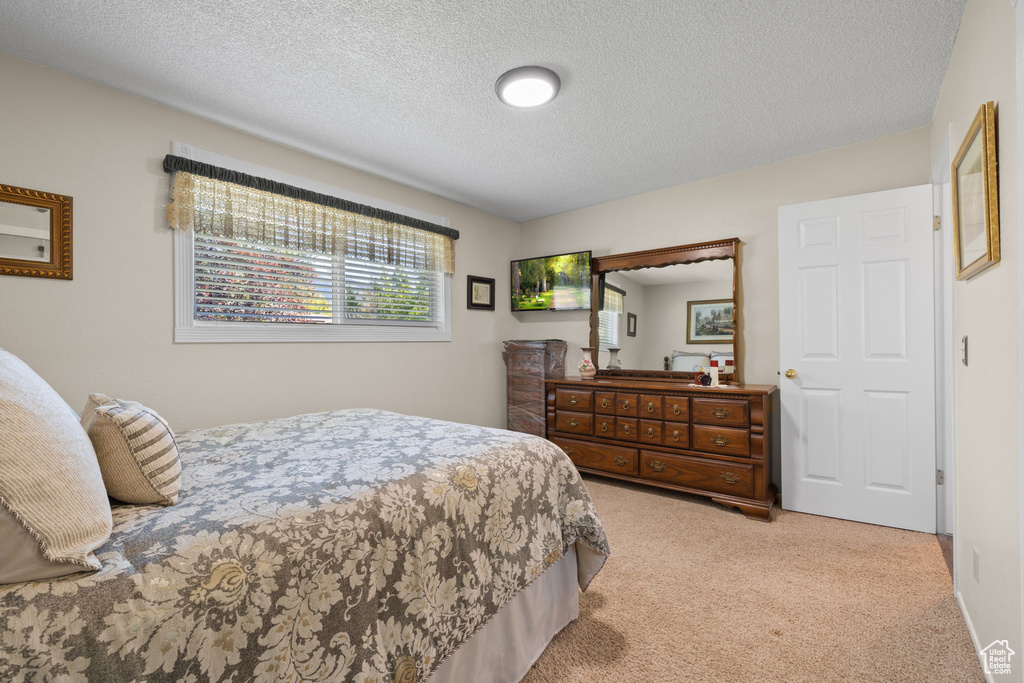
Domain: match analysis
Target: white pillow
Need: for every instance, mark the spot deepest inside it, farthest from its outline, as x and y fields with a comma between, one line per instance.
x=50, y=482
x=684, y=361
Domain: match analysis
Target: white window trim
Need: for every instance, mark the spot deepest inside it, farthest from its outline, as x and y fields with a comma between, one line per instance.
x=189, y=330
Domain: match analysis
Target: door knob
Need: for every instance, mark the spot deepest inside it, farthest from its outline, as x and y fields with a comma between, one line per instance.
x=791, y=373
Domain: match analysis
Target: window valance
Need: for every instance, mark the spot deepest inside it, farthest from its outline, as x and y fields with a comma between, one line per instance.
x=222, y=203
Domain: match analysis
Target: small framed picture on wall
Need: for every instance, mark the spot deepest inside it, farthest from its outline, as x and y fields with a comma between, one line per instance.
x=631, y=324
x=480, y=293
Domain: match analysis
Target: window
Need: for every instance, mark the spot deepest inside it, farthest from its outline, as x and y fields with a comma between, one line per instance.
x=253, y=273
x=610, y=316
x=237, y=281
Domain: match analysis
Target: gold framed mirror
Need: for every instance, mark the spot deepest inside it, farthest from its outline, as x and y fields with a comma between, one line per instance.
x=660, y=313
x=35, y=233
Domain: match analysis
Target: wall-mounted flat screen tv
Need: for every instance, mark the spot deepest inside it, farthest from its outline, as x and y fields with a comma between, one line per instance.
x=552, y=283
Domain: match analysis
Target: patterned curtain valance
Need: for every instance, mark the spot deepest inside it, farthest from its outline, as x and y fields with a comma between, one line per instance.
x=285, y=216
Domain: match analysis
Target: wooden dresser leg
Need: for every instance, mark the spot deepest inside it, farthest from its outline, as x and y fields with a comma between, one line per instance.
x=750, y=509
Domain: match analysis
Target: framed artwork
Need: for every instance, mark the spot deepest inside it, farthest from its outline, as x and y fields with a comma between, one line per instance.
x=631, y=324
x=710, y=321
x=976, y=197
x=480, y=293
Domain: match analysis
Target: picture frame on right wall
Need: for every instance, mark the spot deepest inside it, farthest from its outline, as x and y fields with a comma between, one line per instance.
x=976, y=197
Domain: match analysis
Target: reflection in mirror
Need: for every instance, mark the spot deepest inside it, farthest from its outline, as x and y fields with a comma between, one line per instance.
x=24, y=232
x=683, y=315
x=35, y=233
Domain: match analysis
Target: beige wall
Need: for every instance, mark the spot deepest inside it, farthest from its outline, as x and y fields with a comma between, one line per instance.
x=742, y=204
x=110, y=329
x=988, y=501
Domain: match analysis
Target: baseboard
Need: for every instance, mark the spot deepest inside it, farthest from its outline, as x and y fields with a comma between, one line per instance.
x=974, y=636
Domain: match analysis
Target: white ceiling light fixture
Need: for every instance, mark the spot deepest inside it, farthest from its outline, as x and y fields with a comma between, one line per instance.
x=527, y=86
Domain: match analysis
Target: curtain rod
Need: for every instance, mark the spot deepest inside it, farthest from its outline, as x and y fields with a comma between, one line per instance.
x=173, y=164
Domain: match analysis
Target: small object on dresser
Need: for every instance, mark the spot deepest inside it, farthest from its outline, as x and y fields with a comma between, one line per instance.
x=614, y=363
x=587, y=368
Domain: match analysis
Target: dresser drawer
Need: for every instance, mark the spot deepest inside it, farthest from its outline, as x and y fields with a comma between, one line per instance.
x=737, y=480
x=604, y=402
x=724, y=440
x=573, y=399
x=604, y=426
x=599, y=456
x=651, y=431
x=626, y=404
x=651, y=407
x=677, y=408
x=626, y=428
x=576, y=423
x=677, y=434
x=721, y=411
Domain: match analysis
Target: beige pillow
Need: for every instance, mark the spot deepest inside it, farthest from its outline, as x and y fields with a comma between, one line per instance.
x=136, y=451
x=51, y=489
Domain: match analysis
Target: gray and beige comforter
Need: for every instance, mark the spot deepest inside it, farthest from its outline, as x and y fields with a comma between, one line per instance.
x=353, y=545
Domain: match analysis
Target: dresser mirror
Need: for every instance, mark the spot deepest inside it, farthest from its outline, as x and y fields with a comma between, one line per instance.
x=35, y=233
x=663, y=312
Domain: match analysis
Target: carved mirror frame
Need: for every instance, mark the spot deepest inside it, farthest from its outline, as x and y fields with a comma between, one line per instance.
x=660, y=258
x=59, y=206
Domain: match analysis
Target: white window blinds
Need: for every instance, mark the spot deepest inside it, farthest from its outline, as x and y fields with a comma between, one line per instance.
x=610, y=315
x=244, y=282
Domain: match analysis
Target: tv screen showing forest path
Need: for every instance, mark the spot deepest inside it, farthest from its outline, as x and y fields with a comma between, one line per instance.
x=560, y=282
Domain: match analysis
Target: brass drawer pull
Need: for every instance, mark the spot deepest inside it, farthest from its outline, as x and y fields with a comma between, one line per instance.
x=620, y=461
x=568, y=451
x=730, y=478
x=604, y=403
x=626, y=429
x=720, y=413
x=625, y=405
x=650, y=432
x=604, y=426
x=657, y=465
x=573, y=422
x=675, y=409
x=675, y=435
x=719, y=440
x=650, y=406
x=573, y=400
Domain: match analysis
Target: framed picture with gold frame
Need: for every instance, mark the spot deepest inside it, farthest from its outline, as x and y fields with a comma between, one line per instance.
x=976, y=197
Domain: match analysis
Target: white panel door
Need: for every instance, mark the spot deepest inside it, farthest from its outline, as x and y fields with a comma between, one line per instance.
x=856, y=326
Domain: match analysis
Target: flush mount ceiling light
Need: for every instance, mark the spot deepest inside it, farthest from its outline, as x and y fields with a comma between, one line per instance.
x=527, y=86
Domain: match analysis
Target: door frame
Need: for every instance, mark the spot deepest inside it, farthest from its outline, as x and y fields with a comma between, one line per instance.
x=945, y=347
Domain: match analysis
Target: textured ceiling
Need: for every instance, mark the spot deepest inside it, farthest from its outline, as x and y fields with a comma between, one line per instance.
x=654, y=93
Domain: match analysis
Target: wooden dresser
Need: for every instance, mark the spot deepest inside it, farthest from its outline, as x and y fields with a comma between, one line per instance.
x=714, y=442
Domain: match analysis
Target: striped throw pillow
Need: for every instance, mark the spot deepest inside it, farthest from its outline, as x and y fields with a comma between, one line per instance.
x=136, y=451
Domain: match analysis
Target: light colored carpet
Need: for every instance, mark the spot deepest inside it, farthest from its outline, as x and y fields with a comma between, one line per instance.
x=695, y=592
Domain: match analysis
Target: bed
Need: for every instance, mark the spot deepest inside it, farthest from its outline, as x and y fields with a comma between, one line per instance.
x=356, y=545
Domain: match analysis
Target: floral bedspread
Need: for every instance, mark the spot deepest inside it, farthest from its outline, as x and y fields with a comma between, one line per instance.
x=354, y=545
